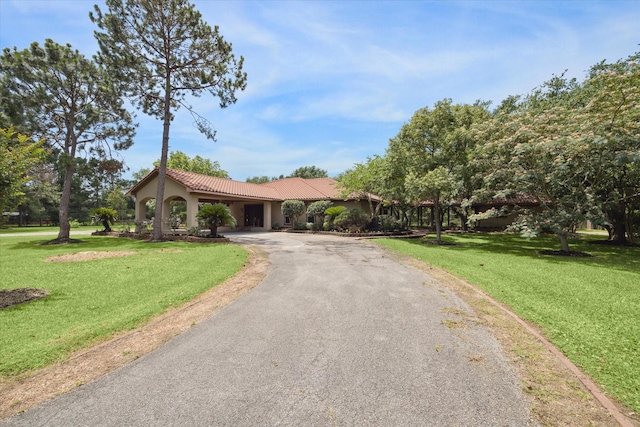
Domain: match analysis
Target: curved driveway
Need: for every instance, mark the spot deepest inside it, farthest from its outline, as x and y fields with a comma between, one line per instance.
x=338, y=333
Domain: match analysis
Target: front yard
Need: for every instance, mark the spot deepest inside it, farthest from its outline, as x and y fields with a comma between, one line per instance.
x=589, y=307
x=94, y=295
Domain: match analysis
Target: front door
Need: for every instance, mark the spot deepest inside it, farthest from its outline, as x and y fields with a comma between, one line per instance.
x=254, y=215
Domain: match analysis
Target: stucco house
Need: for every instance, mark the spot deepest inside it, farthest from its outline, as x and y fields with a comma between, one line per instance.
x=255, y=206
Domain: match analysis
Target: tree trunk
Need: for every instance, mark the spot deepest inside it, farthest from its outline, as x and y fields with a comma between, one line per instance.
x=618, y=227
x=438, y=218
x=564, y=242
x=65, y=201
x=162, y=169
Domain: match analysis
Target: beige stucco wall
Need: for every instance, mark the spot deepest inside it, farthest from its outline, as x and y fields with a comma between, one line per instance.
x=278, y=217
x=172, y=190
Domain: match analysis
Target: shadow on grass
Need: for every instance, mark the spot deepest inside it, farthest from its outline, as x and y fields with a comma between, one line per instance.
x=616, y=257
x=89, y=243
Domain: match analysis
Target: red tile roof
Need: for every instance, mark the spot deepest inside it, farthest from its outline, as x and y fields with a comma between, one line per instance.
x=283, y=189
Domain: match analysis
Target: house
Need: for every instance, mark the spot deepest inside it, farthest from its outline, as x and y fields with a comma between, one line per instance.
x=255, y=206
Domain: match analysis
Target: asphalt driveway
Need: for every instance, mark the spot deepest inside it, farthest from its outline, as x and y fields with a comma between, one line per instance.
x=338, y=333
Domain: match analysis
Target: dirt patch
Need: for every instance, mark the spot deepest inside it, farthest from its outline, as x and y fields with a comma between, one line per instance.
x=17, y=395
x=11, y=297
x=88, y=256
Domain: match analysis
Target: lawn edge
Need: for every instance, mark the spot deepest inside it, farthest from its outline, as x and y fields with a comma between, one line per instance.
x=18, y=395
x=548, y=410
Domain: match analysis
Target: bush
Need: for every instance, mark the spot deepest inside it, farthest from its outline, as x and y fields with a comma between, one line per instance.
x=353, y=220
x=293, y=209
x=331, y=214
x=105, y=216
x=74, y=223
x=214, y=216
x=385, y=223
x=276, y=226
x=316, y=226
x=300, y=226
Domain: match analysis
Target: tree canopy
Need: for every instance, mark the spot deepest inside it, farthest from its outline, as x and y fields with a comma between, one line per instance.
x=19, y=154
x=54, y=93
x=308, y=172
x=160, y=51
x=179, y=160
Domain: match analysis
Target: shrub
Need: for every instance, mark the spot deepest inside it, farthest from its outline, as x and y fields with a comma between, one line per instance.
x=317, y=209
x=74, y=223
x=331, y=214
x=352, y=219
x=216, y=215
x=193, y=231
x=105, y=216
x=293, y=209
x=276, y=226
x=316, y=226
x=385, y=223
x=300, y=226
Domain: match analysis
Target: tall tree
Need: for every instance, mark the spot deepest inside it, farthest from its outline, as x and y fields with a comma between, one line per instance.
x=610, y=125
x=308, y=172
x=65, y=99
x=179, y=160
x=423, y=147
x=160, y=51
x=533, y=151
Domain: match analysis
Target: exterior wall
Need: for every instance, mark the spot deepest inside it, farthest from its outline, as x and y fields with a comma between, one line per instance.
x=277, y=216
x=172, y=190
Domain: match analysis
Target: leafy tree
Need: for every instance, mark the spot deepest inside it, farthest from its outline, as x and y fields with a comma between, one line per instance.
x=423, y=148
x=609, y=125
x=65, y=99
x=293, y=209
x=318, y=208
x=308, y=172
x=365, y=180
x=179, y=160
x=532, y=152
x=137, y=176
x=263, y=179
x=42, y=195
x=215, y=216
x=104, y=216
x=19, y=154
x=160, y=51
x=117, y=201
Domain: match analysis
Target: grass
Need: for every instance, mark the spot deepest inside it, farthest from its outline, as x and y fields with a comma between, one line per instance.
x=92, y=300
x=588, y=307
x=35, y=229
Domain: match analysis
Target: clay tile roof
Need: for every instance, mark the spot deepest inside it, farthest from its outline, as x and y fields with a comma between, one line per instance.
x=283, y=189
x=305, y=189
x=209, y=184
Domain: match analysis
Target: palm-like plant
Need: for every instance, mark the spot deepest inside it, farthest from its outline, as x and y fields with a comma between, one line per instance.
x=215, y=216
x=105, y=216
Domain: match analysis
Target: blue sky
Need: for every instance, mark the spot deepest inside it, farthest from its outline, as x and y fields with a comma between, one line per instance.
x=329, y=82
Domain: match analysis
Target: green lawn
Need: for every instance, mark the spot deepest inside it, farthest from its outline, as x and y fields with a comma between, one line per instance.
x=36, y=229
x=588, y=307
x=91, y=300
